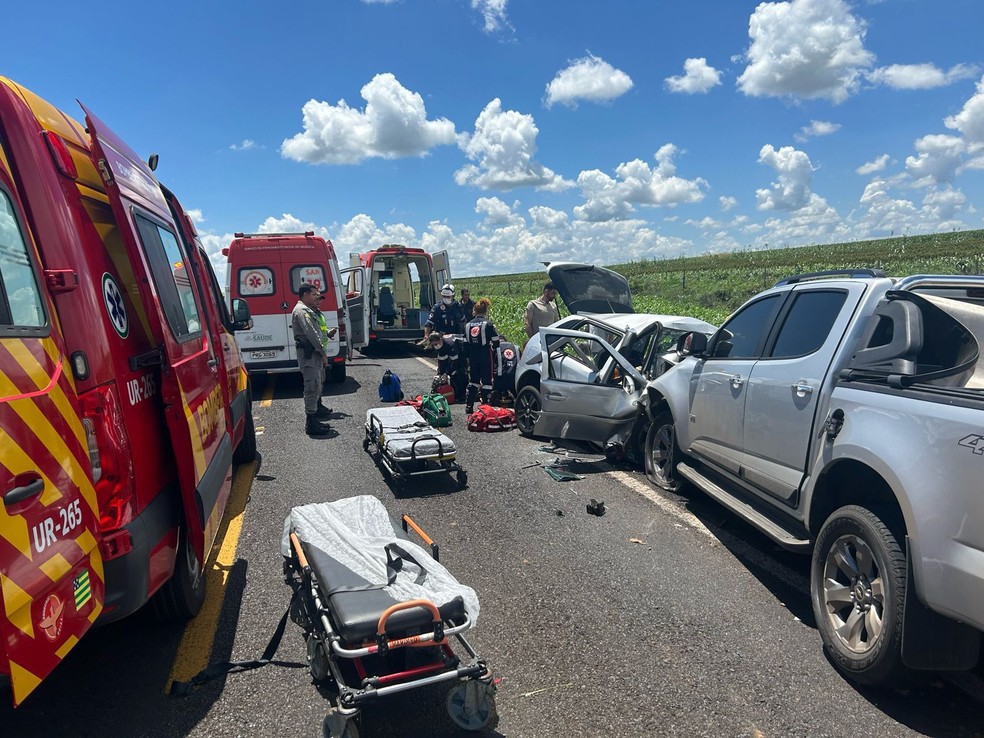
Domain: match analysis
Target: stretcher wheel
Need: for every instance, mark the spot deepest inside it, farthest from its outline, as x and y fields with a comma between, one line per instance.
x=339, y=726
x=462, y=478
x=471, y=705
x=365, y=444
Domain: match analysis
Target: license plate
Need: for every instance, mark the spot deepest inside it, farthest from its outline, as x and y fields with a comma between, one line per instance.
x=263, y=354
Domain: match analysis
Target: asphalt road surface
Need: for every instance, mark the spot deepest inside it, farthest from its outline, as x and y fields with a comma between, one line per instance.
x=665, y=617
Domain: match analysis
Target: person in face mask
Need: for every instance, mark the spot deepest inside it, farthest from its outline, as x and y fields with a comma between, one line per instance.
x=447, y=316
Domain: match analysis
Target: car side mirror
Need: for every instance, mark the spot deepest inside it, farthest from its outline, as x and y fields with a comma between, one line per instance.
x=241, y=319
x=692, y=344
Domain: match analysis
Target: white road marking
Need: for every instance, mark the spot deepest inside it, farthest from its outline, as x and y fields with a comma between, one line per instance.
x=667, y=506
x=426, y=362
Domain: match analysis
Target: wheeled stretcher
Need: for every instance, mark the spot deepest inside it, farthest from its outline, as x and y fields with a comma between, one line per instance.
x=377, y=612
x=407, y=446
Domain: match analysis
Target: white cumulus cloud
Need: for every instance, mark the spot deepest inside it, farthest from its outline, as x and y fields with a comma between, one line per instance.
x=698, y=76
x=875, y=165
x=393, y=125
x=503, y=147
x=493, y=14
x=970, y=120
x=920, y=76
x=636, y=183
x=794, y=176
x=938, y=156
x=816, y=128
x=805, y=49
x=590, y=78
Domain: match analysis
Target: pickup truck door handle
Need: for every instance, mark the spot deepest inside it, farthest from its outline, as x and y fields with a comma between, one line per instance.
x=737, y=381
x=802, y=388
x=31, y=489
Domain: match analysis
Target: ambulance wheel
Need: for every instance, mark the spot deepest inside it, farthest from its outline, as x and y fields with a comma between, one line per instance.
x=527, y=409
x=339, y=726
x=245, y=452
x=183, y=595
x=471, y=705
x=337, y=373
x=461, y=478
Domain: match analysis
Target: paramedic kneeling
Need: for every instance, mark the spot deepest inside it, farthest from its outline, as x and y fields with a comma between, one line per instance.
x=451, y=360
x=311, y=336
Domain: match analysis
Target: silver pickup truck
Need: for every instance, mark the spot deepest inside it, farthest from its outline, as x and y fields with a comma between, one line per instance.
x=842, y=413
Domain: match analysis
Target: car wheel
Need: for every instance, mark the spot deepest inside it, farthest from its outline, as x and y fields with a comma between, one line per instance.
x=183, y=595
x=662, y=454
x=527, y=409
x=858, y=588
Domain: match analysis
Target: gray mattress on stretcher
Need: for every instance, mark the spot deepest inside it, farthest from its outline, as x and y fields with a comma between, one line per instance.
x=402, y=425
x=345, y=542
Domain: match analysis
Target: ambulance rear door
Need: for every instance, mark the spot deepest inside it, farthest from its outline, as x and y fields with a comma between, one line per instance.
x=190, y=383
x=442, y=269
x=356, y=304
x=51, y=571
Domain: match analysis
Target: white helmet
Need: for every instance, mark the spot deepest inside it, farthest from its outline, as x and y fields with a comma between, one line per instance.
x=447, y=291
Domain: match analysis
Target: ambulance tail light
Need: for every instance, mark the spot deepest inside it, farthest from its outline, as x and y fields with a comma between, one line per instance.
x=342, y=333
x=109, y=455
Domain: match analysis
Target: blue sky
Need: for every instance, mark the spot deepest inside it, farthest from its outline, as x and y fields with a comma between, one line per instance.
x=511, y=132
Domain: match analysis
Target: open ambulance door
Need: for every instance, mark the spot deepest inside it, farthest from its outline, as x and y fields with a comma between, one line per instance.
x=51, y=571
x=442, y=270
x=356, y=304
x=189, y=380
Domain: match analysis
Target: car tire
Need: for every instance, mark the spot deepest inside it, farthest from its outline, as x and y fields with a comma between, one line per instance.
x=337, y=373
x=527, y=408
x=182, y=596
x=245, y=452
x=858, y=589
x=663, y=454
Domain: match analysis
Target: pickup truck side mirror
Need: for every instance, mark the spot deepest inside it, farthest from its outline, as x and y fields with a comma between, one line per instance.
x=692, y=344
x=241, y=319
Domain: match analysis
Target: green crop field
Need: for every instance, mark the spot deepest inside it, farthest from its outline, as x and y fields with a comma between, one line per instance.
x=712, y=286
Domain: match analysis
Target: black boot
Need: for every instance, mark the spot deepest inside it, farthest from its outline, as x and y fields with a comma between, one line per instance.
x=315, y=427
x=470, y=399
x=323, y=412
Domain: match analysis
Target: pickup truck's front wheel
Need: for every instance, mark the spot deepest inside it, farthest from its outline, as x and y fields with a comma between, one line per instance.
x=663, y=454
x=857, y=584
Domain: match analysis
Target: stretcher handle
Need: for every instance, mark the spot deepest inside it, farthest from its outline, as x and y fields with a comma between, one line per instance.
x=435, y=549
x=301, y=558
x=439, y=637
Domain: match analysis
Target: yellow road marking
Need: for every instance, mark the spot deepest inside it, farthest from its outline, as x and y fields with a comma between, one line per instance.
x=196, y=644
x=268, y=392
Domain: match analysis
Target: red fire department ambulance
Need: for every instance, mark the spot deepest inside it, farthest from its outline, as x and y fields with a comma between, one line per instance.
x=123, y=398
x=383, y=304
x=266, y=270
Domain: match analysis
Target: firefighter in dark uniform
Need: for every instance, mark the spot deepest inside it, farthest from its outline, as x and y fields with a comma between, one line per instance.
x=451, y=360
x=480, y=335
x=505, y=359
x=446, y=316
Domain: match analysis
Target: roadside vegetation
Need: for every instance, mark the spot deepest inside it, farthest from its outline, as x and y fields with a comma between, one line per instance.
x=712, y=286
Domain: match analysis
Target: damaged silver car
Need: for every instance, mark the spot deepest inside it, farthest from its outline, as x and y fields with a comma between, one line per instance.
x=581, y=378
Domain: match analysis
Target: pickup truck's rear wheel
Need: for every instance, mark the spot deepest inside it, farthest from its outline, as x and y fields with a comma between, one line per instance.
x=527, y=409
x=183, y=595
x=663, y=454
x=858, y=588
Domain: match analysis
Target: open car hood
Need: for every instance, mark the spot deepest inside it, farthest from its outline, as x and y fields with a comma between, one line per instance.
x=585, y=288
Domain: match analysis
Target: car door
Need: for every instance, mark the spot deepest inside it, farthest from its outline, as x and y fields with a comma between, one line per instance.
x=783, y=387
x=356, y=304
x=715, y=432
x=190, y=385
x=51, y=571
x=582, y=396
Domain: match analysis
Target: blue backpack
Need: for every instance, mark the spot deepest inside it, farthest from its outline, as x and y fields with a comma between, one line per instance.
x=389, y=388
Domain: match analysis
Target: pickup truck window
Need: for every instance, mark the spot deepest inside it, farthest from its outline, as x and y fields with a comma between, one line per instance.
x=742, y=336
x=20, y=298
x=808, y=322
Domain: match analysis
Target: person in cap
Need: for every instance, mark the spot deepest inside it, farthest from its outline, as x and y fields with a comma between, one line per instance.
x=446, y=316
x=311, y=336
